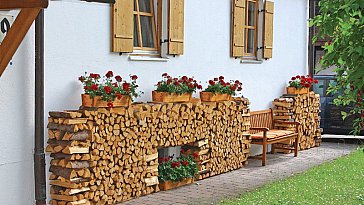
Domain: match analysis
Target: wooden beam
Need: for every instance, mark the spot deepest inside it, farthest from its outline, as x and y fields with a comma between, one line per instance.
x=15, y=36
x=19, y=4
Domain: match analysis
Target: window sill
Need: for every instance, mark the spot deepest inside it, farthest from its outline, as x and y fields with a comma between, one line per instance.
x=251, y=61
x=147, y=58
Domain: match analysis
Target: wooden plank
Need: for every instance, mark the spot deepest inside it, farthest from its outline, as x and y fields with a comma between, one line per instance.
x=123, y=26
x=268, y=29
x=151, y=157
x=16, y=35
x=19, y=4
x=176, y=27
x=151, y=181
x=237, y=28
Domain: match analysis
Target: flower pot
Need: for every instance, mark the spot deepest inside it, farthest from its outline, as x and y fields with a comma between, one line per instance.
x=167, y=185
x=293, y=90
x=169, y=98
x=214, y=97
x=97, y=101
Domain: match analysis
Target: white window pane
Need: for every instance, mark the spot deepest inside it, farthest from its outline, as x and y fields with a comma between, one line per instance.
x=136, y=34
x=251, y=14
x=250, y=38
x=147, y=31
x=145, y=6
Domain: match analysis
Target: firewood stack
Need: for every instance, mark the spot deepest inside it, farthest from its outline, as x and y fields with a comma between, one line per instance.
x=303, y=108
x=229, y=141
x=122, y=146
x=69, y=143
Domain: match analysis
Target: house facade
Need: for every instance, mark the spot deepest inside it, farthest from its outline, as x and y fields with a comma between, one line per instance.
x=96, y=37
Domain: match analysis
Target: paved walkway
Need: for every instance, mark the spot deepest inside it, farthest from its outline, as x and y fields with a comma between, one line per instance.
x=213, y=189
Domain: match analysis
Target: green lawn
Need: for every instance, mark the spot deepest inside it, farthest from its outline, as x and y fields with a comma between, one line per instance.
x=335, y=183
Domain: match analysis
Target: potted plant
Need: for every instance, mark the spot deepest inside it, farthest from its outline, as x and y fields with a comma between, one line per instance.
x=219, y=90
x=108, y=91
x=176, y=173
x=175, y=89
x=300, y=84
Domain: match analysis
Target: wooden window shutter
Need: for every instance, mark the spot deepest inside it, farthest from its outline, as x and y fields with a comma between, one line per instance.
x=176, y=27
x=123, y=26
x=268, y=30
x=237, y=31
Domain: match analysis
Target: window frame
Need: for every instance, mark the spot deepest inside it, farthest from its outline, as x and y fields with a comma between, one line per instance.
x=137, y=13
x=253, y=55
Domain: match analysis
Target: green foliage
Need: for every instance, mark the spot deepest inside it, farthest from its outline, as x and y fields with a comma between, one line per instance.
x=177, y=85
x=343, y=23
x=337, y=182
x=176, y=170
x=218, y=85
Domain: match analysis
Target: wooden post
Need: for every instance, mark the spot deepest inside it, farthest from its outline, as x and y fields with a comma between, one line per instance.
x=15, y=35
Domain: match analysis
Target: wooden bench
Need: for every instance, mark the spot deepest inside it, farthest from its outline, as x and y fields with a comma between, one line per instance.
x=264, y=133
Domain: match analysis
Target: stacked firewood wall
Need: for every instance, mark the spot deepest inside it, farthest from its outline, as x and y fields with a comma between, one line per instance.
x=303, y=108
x=69, y=145
x=122, y=146
x=229, y=141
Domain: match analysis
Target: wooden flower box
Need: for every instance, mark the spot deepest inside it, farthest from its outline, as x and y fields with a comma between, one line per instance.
x=97, y=101
x=167, y=185
x=293, y=90
x=169, y=98
x=214, y=97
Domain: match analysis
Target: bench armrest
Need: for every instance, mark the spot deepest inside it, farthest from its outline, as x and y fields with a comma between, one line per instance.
x=264, y=129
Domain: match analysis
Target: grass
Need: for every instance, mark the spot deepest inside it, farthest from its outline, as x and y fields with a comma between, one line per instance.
x=337, y=182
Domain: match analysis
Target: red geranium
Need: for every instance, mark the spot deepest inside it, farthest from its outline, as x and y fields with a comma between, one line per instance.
x=195, y=155
x=134, y=77
x=85, y=87
x=177, y=85
x=185, y=163
x=94, y=87
x=211, y=82
x=110, y=104
x=119, y=96
x=107, y=89
x=118, y=78
x=302, y=81
x=109, y=74
x=126, y=86
x=218, y=85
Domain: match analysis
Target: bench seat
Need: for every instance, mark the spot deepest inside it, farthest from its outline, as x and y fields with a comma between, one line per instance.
x=272, y=134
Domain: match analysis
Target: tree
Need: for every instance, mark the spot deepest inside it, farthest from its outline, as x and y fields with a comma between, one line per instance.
x=343, y=22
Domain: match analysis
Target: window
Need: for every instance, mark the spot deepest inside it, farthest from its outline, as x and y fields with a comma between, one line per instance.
x=145, y=33
x=250, y=28
x=246, y=23
x=138, y=25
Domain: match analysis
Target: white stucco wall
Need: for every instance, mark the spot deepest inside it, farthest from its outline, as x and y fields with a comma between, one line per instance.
x=17, y=126
x=77, y=39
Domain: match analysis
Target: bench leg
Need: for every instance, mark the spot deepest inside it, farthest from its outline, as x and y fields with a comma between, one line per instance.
x=264, y=156
x=296, y=146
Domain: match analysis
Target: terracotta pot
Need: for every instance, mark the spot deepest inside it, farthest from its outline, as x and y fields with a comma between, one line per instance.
x=293, y=90
x=214, y=97
x=167, y=185
x=97, y=101
x=173, y=97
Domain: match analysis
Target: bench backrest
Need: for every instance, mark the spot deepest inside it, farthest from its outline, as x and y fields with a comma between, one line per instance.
x=261, y=118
